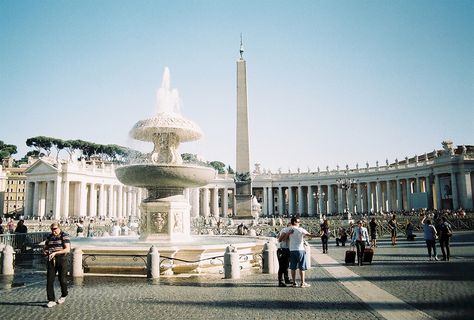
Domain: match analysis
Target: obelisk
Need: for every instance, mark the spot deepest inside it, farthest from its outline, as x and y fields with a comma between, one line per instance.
x=243, y=181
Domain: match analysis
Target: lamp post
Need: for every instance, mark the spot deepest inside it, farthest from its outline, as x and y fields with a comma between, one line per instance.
x=318, y=196
x=345, y=184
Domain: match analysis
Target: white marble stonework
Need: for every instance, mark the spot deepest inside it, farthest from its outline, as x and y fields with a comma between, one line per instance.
x=78, y=189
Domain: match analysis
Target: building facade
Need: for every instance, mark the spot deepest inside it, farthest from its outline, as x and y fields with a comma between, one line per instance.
x=441, y=179
x=12, y=188
x=87, y=189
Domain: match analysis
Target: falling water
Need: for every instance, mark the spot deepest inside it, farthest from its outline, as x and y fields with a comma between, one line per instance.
x=167, y=99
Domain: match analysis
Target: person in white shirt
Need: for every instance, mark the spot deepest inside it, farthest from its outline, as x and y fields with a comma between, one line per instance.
x=298, y=257
x=360, y=237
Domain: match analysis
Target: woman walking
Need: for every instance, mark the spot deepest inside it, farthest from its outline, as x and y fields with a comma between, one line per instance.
x=325, y=235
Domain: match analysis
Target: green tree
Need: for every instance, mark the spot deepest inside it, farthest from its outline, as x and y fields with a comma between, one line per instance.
x=6, y=150
x=219, y=166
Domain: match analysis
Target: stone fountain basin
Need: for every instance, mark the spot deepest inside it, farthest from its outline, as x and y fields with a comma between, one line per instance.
x=162, y=175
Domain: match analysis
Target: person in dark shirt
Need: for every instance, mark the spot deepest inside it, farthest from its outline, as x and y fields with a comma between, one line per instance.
x=20, y=227
x=57, y=247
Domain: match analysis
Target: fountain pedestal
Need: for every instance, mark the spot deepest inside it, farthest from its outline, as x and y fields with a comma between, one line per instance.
x=166, y=219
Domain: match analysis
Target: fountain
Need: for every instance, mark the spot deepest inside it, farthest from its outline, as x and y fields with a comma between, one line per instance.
x=165, y=213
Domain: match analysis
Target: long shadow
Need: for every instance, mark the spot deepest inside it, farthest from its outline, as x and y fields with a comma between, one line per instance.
x=464, y=305
x=24, y=303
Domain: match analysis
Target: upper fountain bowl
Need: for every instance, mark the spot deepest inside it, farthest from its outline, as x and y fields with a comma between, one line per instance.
x=148, y=129
x=164, y=176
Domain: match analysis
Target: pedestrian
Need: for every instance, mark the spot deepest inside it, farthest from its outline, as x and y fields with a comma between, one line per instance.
x=283, y=254
x=80, y=228
x=392, y=225
x=360, y=237
x=430, y=235
x=298, y=257
x=21, y=227
x=57, y=247
x=11, y=226
x=325, y=235
x=445, y=234
x=342, y=237
x=2, y=230
x=373, y=232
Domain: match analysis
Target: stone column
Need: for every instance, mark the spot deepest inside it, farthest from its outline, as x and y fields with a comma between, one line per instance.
x=408, y=187
x=205, y=202
x=110, y=201
x=195, y=202
x=340, y=201
x=330, y=200
x=129, y=202
x=265, y=202
x=300, y=201
x=379, y=197
x=359, y=198
x=271, y=198
x=389, y=196
x=83, y=199
x=281, y=201
x=454, y=189
x=322, y=207
x=437, y=193
x=310, y=198
x=65, y=198
x=215, y=202
x=36, y=196
x=370, y=207
x=225, y=202
x=417, y=184
x=399, y=195
x=49, y=203
x=101, y=210
x=119, y=213
x=466, y=190
x=28, y=193
x=291, y=202
x=57, y=198
x=92, y=200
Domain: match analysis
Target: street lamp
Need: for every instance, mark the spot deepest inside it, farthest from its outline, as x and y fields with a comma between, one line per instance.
x=319, y=195
x=345, y=184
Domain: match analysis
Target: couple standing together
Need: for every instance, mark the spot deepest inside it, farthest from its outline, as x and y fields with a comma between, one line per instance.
x=292, y=252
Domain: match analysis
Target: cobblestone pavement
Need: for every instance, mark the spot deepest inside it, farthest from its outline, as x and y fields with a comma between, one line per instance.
x=442, y=290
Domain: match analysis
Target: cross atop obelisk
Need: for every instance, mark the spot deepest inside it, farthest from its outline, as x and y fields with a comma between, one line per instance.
x=243, y=182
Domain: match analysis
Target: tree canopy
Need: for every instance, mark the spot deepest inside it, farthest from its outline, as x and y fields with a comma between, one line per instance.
x=6, y=150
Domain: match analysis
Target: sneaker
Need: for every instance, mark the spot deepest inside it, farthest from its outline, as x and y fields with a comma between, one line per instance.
x=281, y=284
x=61, y=300
x=305, y=285
x=436, y=258
x=288, y=281
x=51, y=304
x=431, y=258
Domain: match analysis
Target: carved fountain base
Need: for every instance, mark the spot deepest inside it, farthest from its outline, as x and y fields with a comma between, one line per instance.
x=166, y=219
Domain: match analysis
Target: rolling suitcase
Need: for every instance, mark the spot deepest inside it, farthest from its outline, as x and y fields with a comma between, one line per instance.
x=368, y=255
x=350, y=257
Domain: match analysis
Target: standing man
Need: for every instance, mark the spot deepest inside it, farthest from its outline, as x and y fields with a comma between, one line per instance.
x=360, y=237
x=283, y=254
x=57, y=247
x=298, y=257
x=392, y=225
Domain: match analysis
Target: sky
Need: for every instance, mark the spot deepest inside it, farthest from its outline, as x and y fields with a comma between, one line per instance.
x=329, y=82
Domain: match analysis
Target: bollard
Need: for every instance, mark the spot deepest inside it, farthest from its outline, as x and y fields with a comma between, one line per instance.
x=153, y=263
x=231, y=263
x=270, y=259
x=7, y=260
x=77, y=270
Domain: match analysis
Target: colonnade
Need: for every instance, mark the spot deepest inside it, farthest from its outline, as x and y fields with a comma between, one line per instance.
x=325, y=197
x=61, y=199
